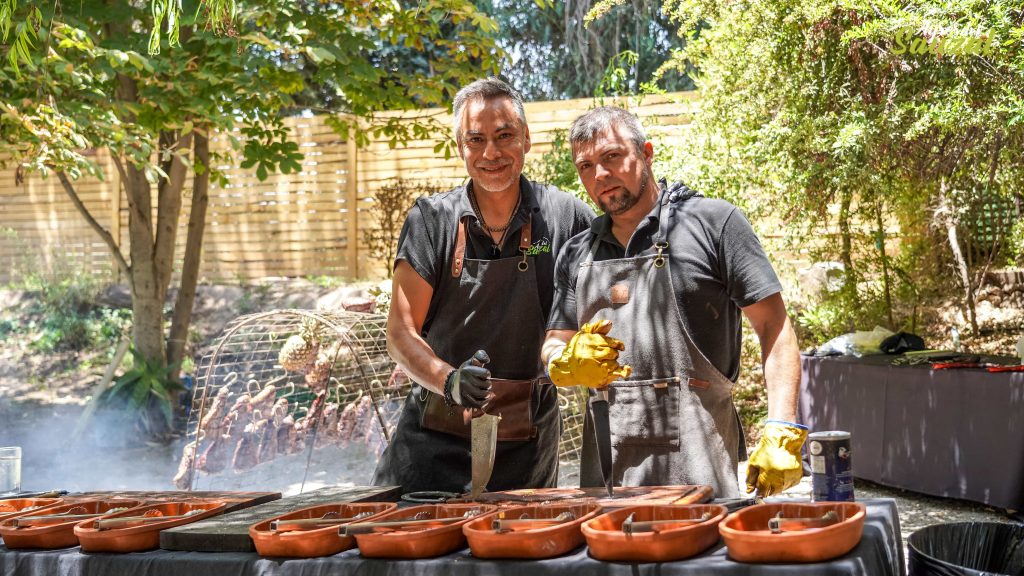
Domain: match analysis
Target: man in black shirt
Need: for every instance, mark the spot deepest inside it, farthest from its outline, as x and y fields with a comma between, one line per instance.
x=672, y=271
x=472, y=289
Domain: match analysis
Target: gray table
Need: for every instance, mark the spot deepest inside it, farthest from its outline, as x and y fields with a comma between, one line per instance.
x=953, y=433
x=880, y=553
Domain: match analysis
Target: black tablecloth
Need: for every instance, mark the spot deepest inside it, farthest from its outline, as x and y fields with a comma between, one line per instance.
x=880, y=553
x=954, y=433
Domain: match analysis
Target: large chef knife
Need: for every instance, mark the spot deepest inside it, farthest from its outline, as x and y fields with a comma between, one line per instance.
x=602, y=430
x=483, y=443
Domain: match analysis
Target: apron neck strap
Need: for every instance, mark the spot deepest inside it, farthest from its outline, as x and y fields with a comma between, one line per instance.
x=459, y=254
x=460, y=247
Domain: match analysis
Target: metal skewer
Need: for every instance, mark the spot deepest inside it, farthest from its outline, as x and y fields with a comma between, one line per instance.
x=778, y=524
x=27, y=521
x=507, y=525
x=312, y=523
x=629, y=526
x=368, y=527
x=109, y=523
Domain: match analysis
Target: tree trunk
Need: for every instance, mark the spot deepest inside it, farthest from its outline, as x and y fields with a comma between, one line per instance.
x=147, y=297
x=182, y=318
x=885, y=263
x=846, y=251
x=950, y=221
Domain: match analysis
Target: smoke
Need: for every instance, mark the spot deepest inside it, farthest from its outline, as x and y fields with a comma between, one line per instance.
x=111, y=456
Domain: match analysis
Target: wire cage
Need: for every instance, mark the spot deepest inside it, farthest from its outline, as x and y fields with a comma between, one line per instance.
x=287, y=392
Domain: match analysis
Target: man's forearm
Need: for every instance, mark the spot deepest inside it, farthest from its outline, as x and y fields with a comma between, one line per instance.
x=412, y=353
x=782, y=374
x=554, y=342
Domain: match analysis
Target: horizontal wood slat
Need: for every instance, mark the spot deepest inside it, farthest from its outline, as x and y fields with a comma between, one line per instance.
x=288, y=225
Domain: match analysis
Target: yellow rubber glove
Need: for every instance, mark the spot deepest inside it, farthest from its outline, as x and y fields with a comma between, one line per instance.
x=775, y=464
x=590, y=359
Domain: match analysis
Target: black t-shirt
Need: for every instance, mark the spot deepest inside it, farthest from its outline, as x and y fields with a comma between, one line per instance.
x=717, y=266
x=427, y=239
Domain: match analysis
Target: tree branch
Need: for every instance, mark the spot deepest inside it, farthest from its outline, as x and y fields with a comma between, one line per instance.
x=168, y=213
x=104, y=235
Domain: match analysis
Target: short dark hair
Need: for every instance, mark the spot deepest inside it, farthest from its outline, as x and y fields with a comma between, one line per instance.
x=486, y=88
x=586, y=127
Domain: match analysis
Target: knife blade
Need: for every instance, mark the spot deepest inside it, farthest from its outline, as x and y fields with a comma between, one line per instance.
x=603, y=433
x=483, y=443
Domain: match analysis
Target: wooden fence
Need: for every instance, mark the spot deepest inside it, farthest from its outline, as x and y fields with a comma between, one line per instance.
x=305, y=224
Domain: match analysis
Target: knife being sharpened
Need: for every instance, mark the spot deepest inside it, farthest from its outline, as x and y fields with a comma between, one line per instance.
x=483, y=444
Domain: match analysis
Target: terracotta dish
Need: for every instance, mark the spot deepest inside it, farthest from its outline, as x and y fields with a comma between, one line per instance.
x=54, y=526
x=539, y=531
x=13, y=507
x=749, y=539
x=312, y=538
x=124, y=535
x=658, y=538
x=422, y=539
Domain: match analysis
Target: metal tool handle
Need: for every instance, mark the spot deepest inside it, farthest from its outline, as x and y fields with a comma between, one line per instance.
x=108, y=523
x=507, y=524
x=368, y=527
x=25, y=521
x=631, y=527
x=308, y=523
x=779, y=525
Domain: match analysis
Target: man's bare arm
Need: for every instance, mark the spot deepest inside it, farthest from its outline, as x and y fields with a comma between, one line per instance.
x=410, y=300
x=780, y=355
x=554, y=341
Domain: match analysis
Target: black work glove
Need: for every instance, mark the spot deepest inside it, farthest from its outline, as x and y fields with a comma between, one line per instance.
x=469, y=386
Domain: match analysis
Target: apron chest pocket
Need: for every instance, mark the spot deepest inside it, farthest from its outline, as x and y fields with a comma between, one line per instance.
x=645, y=412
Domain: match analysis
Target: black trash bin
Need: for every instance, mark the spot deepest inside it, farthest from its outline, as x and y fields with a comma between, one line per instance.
x=967, y=548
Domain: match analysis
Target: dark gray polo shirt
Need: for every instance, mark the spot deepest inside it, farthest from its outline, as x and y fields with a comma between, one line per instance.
x=717, y=266
x=427, y=240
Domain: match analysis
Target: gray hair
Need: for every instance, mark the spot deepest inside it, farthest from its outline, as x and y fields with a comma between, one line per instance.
x=585, y=128
x=486, y=88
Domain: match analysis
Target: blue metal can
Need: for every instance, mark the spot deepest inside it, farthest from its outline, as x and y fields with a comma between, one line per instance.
x=831, y=466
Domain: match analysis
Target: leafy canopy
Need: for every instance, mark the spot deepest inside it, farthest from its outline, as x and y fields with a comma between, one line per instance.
x=90, y=78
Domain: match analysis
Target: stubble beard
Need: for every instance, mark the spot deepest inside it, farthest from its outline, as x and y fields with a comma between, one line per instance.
x=627, y=199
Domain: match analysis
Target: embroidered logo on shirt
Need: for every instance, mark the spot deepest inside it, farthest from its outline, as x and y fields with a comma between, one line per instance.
x=542, y=245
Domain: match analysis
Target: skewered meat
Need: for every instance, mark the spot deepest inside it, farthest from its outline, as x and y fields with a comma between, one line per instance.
x=215, y=458
x=264, y=400
x=214, y=415
x=247, y=450
x=183, y=479
x=268, y=440
x=347, y=422
x=286, y=434
x=328, y=428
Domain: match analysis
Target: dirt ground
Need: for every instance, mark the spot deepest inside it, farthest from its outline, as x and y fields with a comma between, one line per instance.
x=42, y=398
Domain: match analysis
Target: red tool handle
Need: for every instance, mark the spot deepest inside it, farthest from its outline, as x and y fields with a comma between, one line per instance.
x=1019, y=368
x=949, y=365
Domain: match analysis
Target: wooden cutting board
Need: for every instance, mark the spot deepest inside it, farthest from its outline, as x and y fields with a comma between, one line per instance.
x=230, y=532
x=623, y=495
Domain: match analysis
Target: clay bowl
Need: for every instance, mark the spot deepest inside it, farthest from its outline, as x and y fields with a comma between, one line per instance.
x=143, y=536
x=607, y=541
x=529, y=539
x=13, y=507
x=748, y=538
x=61, y=532
x=313, y=541
x=421, y=540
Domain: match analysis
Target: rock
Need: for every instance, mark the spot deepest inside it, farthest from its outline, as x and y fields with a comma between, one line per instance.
x=115, y=296
x=336, y=298
x=358, y=304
